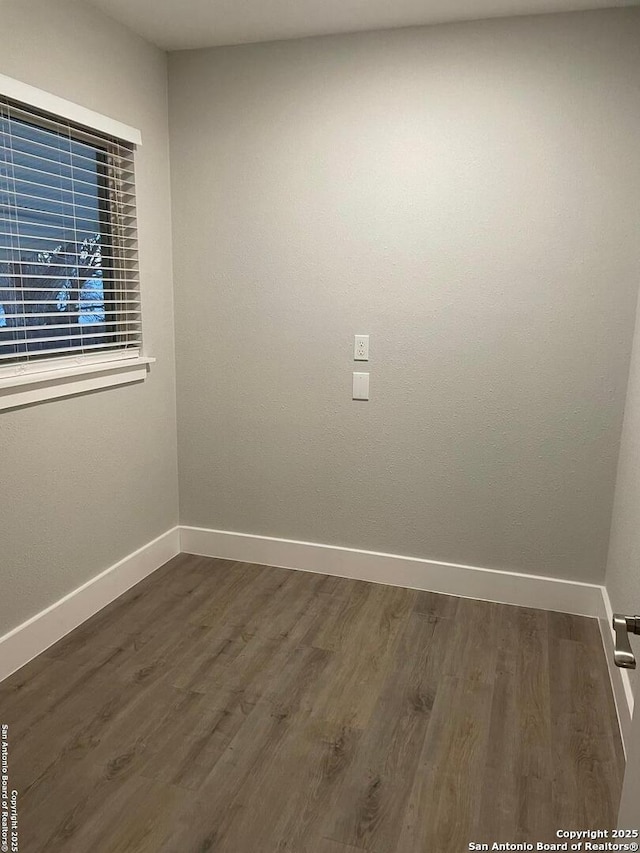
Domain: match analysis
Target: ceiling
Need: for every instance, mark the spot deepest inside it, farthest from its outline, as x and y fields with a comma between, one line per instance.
x=178, y=24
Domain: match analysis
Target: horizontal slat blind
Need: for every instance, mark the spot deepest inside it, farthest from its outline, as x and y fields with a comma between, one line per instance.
x=68, y=240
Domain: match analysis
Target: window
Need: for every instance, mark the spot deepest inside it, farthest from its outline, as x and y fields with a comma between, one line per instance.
x=69, y=286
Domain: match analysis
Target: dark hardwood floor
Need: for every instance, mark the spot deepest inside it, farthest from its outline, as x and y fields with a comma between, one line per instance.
x=228, y=707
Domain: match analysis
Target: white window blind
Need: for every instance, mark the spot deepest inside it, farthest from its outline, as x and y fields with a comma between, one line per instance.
x=69, y=282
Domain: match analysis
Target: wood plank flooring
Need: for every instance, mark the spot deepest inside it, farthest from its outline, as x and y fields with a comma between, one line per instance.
x=227, y=707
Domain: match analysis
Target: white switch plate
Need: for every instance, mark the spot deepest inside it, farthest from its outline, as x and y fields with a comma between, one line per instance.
x=361, y=348
x=360, y=386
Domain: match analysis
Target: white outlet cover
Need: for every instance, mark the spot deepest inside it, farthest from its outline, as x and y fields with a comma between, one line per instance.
x=361, y=348
x=360, y=386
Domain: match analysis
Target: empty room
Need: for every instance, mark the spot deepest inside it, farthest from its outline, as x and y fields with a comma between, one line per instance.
x=320, y=426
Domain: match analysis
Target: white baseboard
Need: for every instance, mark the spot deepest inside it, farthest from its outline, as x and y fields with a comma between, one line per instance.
x=44, y=629
x=391, y=569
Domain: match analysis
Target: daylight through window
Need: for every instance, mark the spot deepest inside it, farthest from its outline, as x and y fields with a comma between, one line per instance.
x=68, y=246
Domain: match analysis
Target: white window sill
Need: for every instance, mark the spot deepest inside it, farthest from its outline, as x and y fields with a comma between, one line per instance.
x=27, y=388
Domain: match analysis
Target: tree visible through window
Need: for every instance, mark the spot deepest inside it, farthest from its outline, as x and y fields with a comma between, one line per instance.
x=66, y=227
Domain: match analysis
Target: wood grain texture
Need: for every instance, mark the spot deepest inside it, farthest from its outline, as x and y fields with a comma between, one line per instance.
x=226, y=707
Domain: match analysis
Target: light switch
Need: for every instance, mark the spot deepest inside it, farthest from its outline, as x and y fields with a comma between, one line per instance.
x=361, y=348
x=360, y=386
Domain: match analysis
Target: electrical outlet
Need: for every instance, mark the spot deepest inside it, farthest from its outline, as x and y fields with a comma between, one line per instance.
x=361, y=348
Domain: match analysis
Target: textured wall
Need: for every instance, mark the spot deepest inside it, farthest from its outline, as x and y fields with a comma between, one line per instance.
x=466, y=194
x=623, y=567
x=89, y=479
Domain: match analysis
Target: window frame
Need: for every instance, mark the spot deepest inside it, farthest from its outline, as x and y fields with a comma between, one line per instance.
x=63, y=375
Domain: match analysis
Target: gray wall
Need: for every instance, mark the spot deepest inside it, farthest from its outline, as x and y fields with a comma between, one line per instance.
x=466, y=194
x=87, y=480
x=623, y=567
